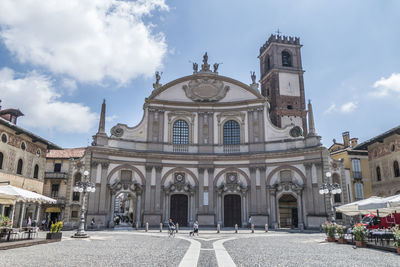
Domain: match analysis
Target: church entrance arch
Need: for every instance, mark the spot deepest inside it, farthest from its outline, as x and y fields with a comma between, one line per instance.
x=179, y=209
x=124, y=208
x=232, y=210
x=288, y=213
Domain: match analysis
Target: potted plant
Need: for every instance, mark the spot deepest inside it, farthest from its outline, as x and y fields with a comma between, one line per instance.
x=55, y=231
x=4, y=221
x=329, y=230
x=396, y=236
x=360, y=233
x=341, y=231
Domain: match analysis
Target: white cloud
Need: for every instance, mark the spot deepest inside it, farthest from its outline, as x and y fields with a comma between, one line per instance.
x=348, y=107
x=330, y=109
x=88, y=40
x=111, y=118
x=69, y=85
x=386, y=86
x=35, y=95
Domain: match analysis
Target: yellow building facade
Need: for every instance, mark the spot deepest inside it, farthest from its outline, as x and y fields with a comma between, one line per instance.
x=356, y=161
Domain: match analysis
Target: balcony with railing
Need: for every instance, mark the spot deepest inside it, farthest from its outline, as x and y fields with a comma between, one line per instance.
x=56, y=175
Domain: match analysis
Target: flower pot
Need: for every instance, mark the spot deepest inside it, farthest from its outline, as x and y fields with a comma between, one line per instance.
x=54, y=235
x=361, y=244
x=342, y=241
x=330, y=239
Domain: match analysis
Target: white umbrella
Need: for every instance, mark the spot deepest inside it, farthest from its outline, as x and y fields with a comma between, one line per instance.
x=353, y=208
x=22, y=195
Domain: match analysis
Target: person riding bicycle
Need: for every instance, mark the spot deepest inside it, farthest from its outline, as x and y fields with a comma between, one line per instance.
x=171, y=225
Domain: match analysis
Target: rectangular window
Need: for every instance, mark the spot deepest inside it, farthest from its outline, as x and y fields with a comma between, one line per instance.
x=74, y=214
x=57, y=167
x=205, y=198
x=339, y=216
x=359, y=191
x=54, y=190
x=338, y=198
x=75, y=196
x=356, y=168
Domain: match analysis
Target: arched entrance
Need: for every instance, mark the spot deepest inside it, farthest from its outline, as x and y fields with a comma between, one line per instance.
x=288, y=213
x=179, y=209
x=124, y=209
x=232, y=210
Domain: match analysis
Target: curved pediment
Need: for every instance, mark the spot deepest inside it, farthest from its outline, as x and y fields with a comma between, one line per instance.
x=206, y=88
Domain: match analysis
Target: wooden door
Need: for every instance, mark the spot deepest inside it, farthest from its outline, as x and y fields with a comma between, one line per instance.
x=179, y=209
x=232, y=211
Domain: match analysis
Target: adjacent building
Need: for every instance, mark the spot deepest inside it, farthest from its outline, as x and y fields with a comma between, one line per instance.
x=214, y=149
x=355, y=160
x=64, y=168
x=22, y=164
x=384, y=158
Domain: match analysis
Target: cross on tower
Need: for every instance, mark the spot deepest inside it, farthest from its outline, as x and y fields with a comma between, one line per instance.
x=278, y=32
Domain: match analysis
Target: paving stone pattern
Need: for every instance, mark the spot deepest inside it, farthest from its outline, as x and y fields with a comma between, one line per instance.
x=304, y=250
x=102, y=249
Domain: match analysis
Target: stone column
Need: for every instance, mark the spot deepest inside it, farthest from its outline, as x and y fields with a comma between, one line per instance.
x=191, y=209
x=157, y=205
x=219, y=207
x=211, y=190
x=22, y=214
x=253, y=190
x=112, y=210
x=147, y=193
x=263, y=190
x=300, y=209
x=12, y=214
x=273, y=217
x=138, y=207
x=201, y=189
x=244, y=210
x=166, y=207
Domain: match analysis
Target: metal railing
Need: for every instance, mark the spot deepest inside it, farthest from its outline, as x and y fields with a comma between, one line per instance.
x=231, y=148
x=180, y=148
x=55, y=175
x=357, y=175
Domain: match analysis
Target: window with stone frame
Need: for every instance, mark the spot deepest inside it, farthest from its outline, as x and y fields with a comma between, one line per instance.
x=378, y=174
x=359, y=191
x=57, y=167
x=267, y=63
x=36, y=172
x=19, y=166
x=286, y=59
x=76, y=196
x=1, y=160
x=77, y=178
x=231, y=133
x=54, y=190
x=74, y=214
x=180, y=133
x=396, y=169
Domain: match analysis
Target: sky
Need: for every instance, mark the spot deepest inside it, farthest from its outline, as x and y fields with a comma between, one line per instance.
x=59, y=59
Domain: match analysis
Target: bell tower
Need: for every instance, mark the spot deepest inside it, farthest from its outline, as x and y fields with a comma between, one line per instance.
x=282, y=81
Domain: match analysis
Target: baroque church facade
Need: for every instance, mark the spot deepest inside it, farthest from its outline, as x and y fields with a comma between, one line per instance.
x=213, y=149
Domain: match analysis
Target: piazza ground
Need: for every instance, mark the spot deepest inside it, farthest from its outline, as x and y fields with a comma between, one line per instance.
x=137, y=248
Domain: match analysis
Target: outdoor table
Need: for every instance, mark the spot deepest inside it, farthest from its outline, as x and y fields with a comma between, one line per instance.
x=382, y=235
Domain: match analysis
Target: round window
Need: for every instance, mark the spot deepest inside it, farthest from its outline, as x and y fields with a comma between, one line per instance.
x=23, y=146
x=4, y=138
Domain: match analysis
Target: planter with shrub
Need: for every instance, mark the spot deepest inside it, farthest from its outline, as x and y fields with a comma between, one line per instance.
x=55, y=231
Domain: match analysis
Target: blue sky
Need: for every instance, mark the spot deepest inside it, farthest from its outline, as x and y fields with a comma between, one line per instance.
x=59, y=60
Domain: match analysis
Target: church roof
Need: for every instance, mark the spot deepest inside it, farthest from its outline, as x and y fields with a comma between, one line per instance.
x=66, y=153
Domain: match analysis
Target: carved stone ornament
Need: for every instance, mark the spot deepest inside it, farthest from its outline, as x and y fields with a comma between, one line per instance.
x=231, y=178
x=117, y=131
x=296, y=131
x=232, y=184
x=288, y=186
x=205, y=90
x=179, y=185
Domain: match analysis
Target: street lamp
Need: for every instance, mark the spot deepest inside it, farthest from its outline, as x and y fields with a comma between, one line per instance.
x=83, y=187
x=330, y=189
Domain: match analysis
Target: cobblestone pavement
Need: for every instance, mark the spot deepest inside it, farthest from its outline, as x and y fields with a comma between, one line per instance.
x=133, y=248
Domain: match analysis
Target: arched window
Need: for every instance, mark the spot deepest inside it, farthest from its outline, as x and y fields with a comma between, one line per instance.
x=231, y=133
x=286, y=59
x=378, y=173
x=19, y=166
x=267, y=63
x=1, y=160
x=396, y=168
x=36, y=171
x=180, y=132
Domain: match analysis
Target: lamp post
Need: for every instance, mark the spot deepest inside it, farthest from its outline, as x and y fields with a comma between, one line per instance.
x=331, y=189
x=83, y=187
